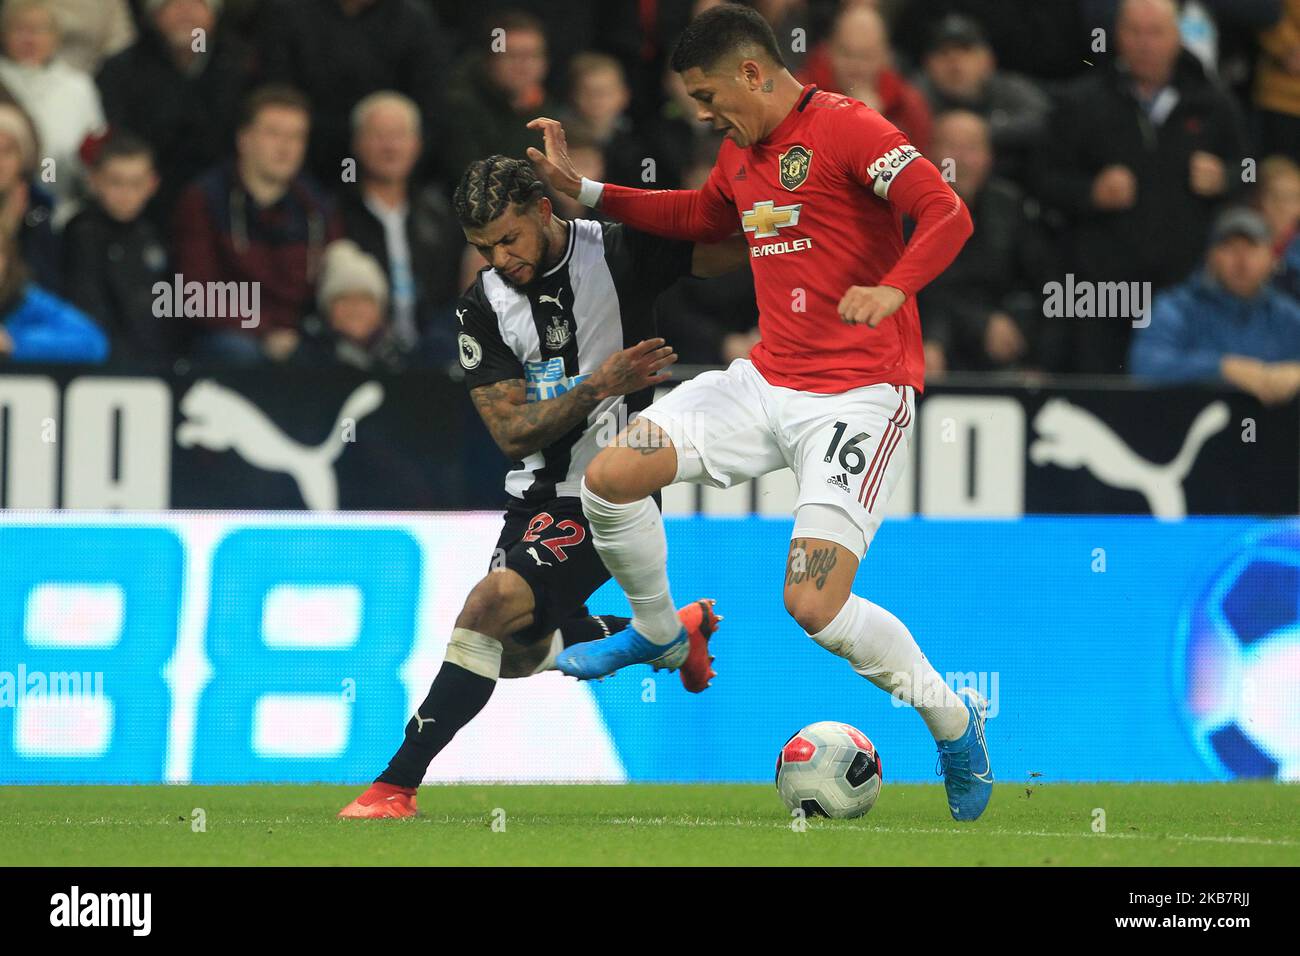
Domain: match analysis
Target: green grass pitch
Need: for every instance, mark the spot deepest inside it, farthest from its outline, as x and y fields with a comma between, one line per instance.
x=1047, y=824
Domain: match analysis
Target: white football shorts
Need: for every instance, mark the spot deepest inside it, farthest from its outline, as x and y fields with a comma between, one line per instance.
x=847, y=450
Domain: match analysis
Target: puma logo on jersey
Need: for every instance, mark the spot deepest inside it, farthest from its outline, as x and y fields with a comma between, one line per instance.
x=460, y=315
x=533, y=552
x=420, y=722
x=553, y=299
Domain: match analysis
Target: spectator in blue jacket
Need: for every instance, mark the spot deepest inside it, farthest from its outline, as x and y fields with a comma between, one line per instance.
x=1227, y=323
x=36, y=326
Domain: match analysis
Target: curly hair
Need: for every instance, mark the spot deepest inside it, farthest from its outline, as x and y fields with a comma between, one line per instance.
x=491, y=186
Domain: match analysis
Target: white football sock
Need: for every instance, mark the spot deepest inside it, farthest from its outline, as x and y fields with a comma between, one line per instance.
x=881, y=649
x=630, y=540
x=477, y=653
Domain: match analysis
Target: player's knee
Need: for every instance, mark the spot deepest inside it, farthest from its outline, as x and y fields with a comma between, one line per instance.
x=486, y=607
x=811, y=609
x=595, y=476
x=607, y=477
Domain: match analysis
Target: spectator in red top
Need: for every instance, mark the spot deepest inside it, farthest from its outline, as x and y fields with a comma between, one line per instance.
x=856, y=60
x=258, y=223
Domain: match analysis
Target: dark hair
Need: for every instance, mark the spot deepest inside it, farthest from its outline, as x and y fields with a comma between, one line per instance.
x=14, y=281
x=120, y=144
x=265, y=97
x=512, y=21
x=491, y=186
x=718, y=31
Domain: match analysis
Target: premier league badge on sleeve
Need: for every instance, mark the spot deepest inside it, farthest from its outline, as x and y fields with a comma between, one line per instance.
x=794, y=164
x=471, y=353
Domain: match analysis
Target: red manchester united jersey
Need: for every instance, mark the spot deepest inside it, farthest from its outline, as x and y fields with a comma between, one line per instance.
x=820, y=201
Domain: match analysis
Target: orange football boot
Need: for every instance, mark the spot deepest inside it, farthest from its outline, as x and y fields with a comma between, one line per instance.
x=701, y=624
x=382, y=801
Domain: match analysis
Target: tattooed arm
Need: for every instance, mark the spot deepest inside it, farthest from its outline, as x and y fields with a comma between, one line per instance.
x=522, y=428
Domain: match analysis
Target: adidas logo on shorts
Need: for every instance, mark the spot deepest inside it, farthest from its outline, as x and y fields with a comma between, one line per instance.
x=840, y=481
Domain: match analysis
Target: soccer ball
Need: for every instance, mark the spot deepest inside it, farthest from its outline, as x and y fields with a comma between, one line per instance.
x=1237, y=670
x=829, y=769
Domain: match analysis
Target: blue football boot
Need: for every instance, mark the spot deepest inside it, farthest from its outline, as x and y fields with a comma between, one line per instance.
x=592, y=660
x=964, y=763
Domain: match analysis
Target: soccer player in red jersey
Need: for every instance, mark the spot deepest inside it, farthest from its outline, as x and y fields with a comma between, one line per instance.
x=818, y=183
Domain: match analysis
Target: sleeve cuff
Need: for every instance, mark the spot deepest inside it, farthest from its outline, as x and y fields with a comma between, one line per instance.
x=895, y=284
x=590, y=192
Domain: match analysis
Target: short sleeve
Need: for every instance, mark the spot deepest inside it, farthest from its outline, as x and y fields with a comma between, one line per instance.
x=484, y=355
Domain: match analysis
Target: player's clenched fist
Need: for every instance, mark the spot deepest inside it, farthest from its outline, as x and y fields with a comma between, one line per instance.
x=554, y=165
x=870, y=305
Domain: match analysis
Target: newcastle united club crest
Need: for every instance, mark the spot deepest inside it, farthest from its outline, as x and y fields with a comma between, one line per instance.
x=794, y=164
x=558, y=333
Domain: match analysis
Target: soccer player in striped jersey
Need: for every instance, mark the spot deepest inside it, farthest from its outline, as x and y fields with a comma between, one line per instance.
x=556, y=339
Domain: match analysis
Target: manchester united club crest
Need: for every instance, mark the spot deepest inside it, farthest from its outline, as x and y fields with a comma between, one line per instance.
x=794, y=164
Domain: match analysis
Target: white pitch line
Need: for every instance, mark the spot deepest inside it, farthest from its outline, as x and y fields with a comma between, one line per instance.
x=963, y=831
x=703, y=823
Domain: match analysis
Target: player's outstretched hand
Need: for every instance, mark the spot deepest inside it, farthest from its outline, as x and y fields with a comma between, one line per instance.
x=870, y=305
x=635, y=368
x=554, y=165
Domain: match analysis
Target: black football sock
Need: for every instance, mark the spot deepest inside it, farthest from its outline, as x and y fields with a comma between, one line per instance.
x=456, y=697
x=579, y=630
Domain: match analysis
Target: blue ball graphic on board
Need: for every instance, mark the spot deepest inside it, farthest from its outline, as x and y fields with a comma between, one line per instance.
x=1237, y=673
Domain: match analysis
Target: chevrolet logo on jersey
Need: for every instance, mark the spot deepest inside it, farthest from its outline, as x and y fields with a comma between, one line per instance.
x=767, y=219
x=546, y=379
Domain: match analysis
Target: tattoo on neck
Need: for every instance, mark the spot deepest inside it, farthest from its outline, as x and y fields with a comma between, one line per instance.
x=768, y=85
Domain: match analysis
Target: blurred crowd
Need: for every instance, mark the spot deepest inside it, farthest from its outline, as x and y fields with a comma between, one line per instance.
x=309, y=147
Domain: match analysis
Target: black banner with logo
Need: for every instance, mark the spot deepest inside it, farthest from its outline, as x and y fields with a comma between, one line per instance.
x=274, y=439
x=325, y=440
x=1105, y=450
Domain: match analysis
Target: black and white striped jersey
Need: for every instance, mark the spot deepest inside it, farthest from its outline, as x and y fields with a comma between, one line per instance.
x=597, y=300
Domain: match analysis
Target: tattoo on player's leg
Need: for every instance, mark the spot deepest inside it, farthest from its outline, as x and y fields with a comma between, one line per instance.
x=815, y=567
x=644, y=440
x=820, y=565
x=797, y=562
